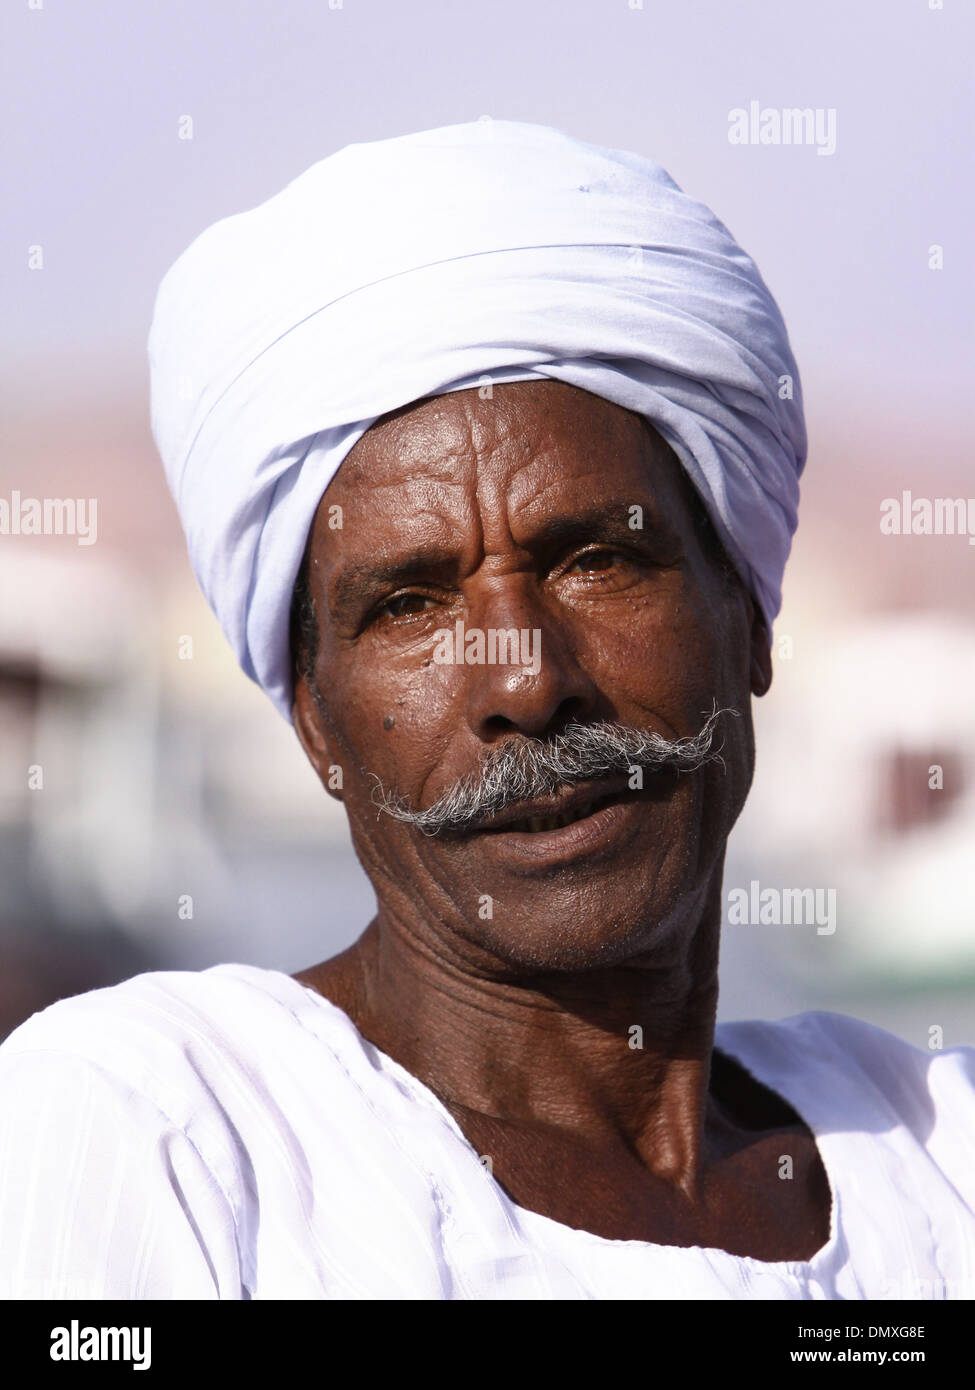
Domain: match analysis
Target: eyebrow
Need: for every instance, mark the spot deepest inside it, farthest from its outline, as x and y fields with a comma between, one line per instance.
x=357, y=583
x=610, y=523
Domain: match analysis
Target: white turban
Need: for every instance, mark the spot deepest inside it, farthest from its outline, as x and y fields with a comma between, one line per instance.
x=413, y=266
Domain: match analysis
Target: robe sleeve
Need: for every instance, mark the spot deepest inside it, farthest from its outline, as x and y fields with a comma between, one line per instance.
x=102, y=1196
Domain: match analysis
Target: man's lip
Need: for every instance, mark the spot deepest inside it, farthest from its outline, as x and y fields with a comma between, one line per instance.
x=569, y=801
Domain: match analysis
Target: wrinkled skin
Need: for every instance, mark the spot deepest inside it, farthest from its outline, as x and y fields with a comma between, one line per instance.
x=512, y=512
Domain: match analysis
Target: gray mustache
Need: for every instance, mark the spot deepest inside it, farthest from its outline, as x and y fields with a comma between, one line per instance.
x=528, y=769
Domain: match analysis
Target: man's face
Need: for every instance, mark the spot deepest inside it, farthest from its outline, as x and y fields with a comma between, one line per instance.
x=557, y=514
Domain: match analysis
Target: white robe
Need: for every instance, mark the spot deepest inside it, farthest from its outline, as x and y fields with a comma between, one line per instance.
x=228, y=1133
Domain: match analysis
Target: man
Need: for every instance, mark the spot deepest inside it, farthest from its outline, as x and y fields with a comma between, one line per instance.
x=487, y=446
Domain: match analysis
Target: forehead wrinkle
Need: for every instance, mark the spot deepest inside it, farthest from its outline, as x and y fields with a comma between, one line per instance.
x=395, y=474
x=423, y=478
x=530, y=440
x=531, y=494
x=428, y=509
x=415, y=494
x=438, y=432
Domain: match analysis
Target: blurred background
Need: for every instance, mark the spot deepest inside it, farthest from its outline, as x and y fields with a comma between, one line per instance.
x=155, y=812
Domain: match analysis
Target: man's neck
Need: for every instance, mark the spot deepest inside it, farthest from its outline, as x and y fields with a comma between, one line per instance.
x=615, y=1055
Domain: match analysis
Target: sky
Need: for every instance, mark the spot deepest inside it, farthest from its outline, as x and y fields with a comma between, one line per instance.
x=98, y=175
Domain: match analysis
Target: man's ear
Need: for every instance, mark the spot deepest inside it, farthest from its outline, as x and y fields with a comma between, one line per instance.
x=761, y=652
x=313, y=735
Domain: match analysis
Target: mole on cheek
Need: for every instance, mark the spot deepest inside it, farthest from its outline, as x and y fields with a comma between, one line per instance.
x=388, y=722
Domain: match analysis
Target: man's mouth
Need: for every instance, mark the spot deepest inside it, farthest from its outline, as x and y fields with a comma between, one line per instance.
x=592, y=822
x=556, y=812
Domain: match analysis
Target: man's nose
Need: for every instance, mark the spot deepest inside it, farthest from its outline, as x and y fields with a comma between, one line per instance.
x=534, y=697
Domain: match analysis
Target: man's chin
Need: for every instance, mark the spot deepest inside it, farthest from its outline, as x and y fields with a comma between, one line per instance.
x=531, y=943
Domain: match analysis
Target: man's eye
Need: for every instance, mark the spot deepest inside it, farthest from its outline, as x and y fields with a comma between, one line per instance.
x=403, y=605
x=595, y=561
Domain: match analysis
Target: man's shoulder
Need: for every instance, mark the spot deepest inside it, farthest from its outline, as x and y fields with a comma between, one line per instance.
x=159, y=1001
x=162, y=1032
x=847, y=1059
x=819, y=1034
